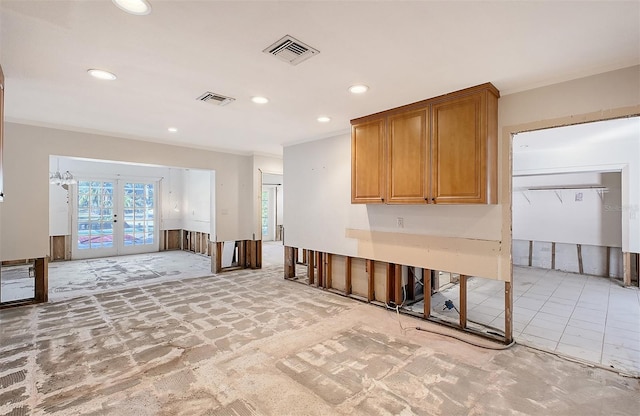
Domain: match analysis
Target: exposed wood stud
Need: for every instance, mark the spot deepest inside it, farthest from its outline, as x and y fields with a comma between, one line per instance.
x=626, y=266
x=258, y=244
x=553, y=256
x=397, y=272
x=390, y=292
x=508, y=312
x=530, y=253
x=289, y=262
x=370, y=281
x=216, y=257
x=320, y=269
x=295, y=255
x=41, y=277
x=580, y=269
x=310, y=266
x=426, y=280
x=463, y=301
x=347, y=275
x=328, y=279
x=304, y=256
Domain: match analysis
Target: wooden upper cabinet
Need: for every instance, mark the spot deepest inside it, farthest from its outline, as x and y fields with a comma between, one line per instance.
x=438, y=151
x=464, y=146
x=407, y=155
x=367, y=162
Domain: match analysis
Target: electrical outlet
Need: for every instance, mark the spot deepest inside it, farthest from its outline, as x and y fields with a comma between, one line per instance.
x=400, y=222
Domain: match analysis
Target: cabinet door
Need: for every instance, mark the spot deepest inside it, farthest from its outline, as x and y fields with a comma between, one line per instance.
x=407, y=158
x=367, y=162
x=459, y=151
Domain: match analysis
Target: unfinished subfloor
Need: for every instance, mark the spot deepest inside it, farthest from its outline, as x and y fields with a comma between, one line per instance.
x=68, y=279
x=251, y=343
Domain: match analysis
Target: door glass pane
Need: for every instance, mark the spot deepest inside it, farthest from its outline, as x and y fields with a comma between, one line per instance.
x=138, y=214
x=95, y=215
x=265, y=213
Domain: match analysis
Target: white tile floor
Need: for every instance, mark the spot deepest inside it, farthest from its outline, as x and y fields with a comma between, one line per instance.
x=591, y=318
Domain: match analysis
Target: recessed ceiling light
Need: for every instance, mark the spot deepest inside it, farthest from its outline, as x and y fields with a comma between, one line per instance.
x=260, y=100
x=358, y=89
x=324, y=119
x=524, y=146
x=137, y=7
x=100, y=74
x=172, y=129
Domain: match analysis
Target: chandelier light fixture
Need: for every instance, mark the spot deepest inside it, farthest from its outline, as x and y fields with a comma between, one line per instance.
x=57, y=178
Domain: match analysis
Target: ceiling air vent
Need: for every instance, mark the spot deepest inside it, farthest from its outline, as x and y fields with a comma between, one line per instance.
x=291, y=50
x=217, y=99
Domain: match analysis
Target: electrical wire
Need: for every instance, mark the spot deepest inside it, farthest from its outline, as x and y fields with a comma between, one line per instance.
x=467, y=341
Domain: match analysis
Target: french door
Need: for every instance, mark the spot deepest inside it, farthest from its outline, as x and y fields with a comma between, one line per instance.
x=114, y=217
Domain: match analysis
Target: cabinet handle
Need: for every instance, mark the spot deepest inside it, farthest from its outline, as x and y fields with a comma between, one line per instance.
x=433, y=200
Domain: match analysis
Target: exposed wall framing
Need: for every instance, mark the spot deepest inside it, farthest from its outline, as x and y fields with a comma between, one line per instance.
x=247, y=255
x=41, y=282
x=171, y=240
x=196, y=242
x=380, y=283
x=573, y=258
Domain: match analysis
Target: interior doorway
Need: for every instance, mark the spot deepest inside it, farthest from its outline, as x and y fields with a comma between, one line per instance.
x=575, y=193
x=271, y=208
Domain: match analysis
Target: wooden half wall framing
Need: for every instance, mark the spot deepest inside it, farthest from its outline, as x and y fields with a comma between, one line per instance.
x=39, y=271
x=247, y=254
x=384, y=284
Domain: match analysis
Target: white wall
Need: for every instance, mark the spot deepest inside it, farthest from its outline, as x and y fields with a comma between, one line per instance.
x=574, y=216
x=172, y=196
x=473, y=240
x=197, y=188
x=24, y=213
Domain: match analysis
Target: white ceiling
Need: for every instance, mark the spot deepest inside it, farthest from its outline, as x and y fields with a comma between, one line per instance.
x=405, y=52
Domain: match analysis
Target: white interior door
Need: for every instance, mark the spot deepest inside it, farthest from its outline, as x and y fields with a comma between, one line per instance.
x=114, y=217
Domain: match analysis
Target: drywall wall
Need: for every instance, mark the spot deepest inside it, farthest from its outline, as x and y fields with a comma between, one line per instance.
x=172, y=199
x=582, y=208
x=24, y=214
x=197, y=188
x=472, y=240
